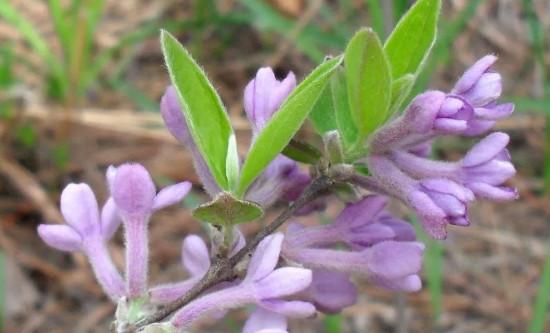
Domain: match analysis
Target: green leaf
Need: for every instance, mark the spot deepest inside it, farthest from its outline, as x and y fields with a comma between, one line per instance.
x=226, y=210
x=400, y=90
x=232, y=163
x=302, y=152
x=410, y=43
x=344, y=120
x=285, y=123
x=368, y=80
x=322, y=115
x=202, y=107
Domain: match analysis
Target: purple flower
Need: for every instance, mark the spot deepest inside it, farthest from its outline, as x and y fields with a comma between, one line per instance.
x=263, y=285
x=264, y=95
x=437, y=201
x=481, y=87
x=479, y=84
x=88, y=232
x=135, y=196
x=483, y=170
x=386, y=263
x=359, y=225
x=429, y=114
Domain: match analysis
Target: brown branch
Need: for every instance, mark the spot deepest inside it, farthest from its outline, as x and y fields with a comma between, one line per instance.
x=223, y=269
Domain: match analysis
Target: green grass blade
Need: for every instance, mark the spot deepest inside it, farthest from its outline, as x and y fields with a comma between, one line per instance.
x=312, y=40
x=399, y=8
x=37, y=43
x=376, y=17
x=433, y=269
x=64, y=33
x=538, y=319
x=333, y=323
x=2, y=290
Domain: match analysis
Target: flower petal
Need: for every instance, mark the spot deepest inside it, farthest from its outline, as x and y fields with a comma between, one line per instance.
x=290, y=309
x=79, y=207
x=265, y=257
x=171, y=195
x=61, y=237
x=134, y=191
x=472, y=75
x=195, y=256
x=486, y=149
x=110, y=220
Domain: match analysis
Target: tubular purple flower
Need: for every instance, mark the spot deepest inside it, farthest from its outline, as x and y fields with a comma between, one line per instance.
x=483, y=170
x=262, y=284
x=172, y=114
x=429, y=114
x=135, y=196
x=264, y=95
x=384, y=262
x=436, y=201
x=360, y=225
x=480, y=86
x=85, y=232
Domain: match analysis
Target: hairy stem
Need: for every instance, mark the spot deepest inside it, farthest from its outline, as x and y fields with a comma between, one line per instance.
x=222, y=269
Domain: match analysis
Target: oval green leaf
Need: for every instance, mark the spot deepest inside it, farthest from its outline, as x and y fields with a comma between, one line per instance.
x=368, y=81
x=202, y=107
x=226, y=210
x=410, y=43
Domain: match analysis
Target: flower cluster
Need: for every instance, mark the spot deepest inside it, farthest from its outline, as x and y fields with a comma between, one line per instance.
x=133, y=199
x=439, y=191
x=307, y=268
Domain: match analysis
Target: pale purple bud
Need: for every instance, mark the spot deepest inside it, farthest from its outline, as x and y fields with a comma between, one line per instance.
x=85, y=232
x=195, y=256
x=331, y=291
x=264, y=321
x=134, y=191
x=479, y=85
x=264, y=95
x=79, y=207
x=171, y=111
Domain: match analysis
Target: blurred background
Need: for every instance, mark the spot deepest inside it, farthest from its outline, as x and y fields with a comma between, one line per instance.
x=80, y=82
